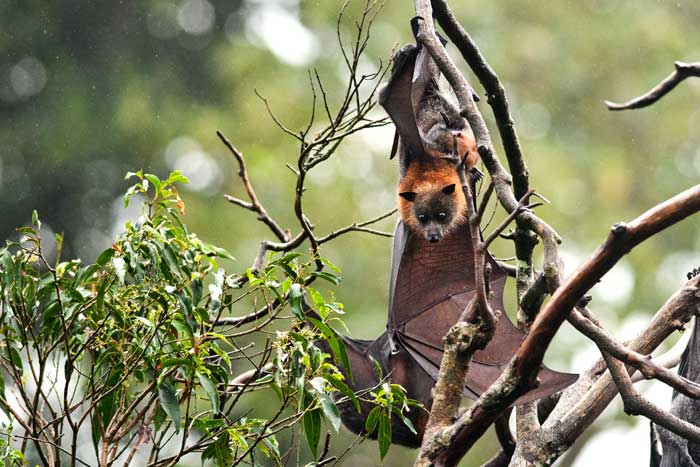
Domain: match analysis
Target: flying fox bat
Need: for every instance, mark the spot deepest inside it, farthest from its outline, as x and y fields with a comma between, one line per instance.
x=432, y=139
x=431, y=281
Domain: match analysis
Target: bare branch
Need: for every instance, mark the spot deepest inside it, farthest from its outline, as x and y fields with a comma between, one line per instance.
x=681, y=72
x=495, y=92
x=583, y=402
x=277, y=121
x=360, y=227
x=670, y=359
x=254, y=205
x=522, y=372
x=636, y=404
x=522, y=205
x=484, y=202
x=647, y=367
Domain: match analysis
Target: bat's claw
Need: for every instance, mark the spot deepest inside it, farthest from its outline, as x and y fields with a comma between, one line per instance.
x=693, y=273
x=476, y=174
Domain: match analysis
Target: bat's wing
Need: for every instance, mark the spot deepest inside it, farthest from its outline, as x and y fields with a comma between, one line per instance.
x=431, y=285
x=365, y=377
x=396, y=100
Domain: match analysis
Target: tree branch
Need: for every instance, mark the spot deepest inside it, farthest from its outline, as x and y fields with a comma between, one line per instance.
x=681, y=72
x=582, y=403
x=495, y=92
x=522, y=372
x=647, y=367
x=636, y=404
x=254, y=205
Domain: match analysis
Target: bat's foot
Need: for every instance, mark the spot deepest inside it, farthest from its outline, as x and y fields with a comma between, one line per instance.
x=476, y=174
x=693, y=273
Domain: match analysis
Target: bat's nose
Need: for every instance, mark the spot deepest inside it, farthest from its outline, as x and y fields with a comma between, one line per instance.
x=433, y=238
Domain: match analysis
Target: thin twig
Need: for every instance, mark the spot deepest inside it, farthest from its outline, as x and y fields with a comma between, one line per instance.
x=254, y=205
x=681, y=72
x=359, y=227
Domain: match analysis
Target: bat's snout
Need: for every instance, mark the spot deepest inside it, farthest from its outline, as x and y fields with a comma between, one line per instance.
x=434, y=238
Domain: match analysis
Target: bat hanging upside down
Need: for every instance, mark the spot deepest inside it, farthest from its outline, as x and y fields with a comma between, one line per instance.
x=432, y=278
x=433, y=138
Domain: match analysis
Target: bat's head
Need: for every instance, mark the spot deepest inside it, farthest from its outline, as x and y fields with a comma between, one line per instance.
x=432, y=204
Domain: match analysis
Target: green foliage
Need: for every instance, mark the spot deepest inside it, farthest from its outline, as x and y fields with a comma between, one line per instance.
x=389, y=399
x=9, y=457
x=143, y=341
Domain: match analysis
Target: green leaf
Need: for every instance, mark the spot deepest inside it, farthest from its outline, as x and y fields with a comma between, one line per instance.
x=210, y=389
x=312, y=429
x=177, y=177
x=384, y=436
x=220, y=450
x=289, y=257
x=26, y=230
x=168, y=362
x=155, y=181
x=317, y=297
x=330, y=265
x=372, y=419
x=171, y=260
x=16, y=359
x=339, y=384
x=295, y=295
x=345, y=360
x=406, y=421
x=184, y=332
x=59, y=241
x=144, y=321
x=337, y=346
x=212, y=250
x=331, y=412
x=169, y=402
x=105, y=256
x=332, y=278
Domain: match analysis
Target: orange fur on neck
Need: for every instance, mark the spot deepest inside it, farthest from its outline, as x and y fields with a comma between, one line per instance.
x=428, y=178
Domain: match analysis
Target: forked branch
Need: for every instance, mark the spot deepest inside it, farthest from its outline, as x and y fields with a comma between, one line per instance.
x=254, y=205
x=636, y=404
x=521, y=373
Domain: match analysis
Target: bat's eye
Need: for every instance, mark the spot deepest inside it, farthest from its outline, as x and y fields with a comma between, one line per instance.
x=422, y=217
x=442, y=216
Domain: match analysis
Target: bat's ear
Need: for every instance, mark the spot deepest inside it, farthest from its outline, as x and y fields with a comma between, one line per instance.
x=408, y=195
x=449, y=189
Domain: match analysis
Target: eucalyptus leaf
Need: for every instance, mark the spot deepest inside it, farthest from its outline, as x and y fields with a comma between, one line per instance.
x=312, y=429
x=170, y=403
x=295, y=295
x=212, y=392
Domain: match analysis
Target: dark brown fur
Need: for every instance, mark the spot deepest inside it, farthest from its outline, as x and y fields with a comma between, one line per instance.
x=431, y=200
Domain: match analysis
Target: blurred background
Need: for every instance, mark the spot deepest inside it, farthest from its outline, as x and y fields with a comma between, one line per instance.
x=92, y=89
